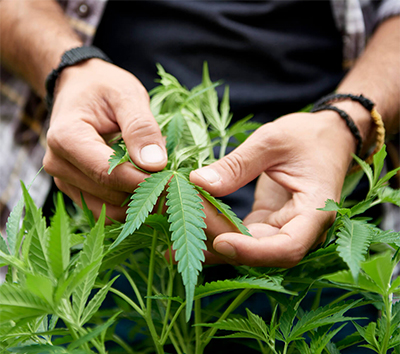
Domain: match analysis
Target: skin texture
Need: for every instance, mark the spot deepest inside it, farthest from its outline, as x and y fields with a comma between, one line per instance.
x=301, y=158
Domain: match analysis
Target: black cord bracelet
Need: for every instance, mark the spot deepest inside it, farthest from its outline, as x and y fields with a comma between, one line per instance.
x=349, y=122
x=365, y=102
x=70, y=58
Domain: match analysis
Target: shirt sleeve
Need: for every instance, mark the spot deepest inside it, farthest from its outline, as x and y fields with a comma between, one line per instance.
x=388, y=8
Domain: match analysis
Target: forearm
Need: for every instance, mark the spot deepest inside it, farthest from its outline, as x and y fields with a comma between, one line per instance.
x=376, y=75
x=33, y=37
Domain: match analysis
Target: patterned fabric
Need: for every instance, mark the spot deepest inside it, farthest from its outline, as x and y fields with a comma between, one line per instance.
x=24, y=119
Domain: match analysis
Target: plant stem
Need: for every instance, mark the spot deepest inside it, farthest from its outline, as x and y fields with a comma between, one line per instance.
x=175, y=344
x=344, y=296
x=197, y=320
x=388, y=306
x=128, y=300
x=285, y=348
x=134, y=287
x=171, y=324
x=235, y=303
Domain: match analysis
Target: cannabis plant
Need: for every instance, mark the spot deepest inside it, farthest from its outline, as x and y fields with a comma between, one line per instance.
x=73, y=284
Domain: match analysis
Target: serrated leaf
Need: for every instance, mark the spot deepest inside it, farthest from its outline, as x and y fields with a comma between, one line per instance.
x=241, y=325
x=160, y=223
x=93, y=333
x=95, y=303
x=59, y=239
x=165, y=297
x=329, y=314
x=91, y=253
x=319, y=344
x=353, y=242
x=258, y=324
x=367, y=170
x=361, y=207
x=350, y=183
x=380, y=268
x=390, y=195
x=378, y=162
x=272, y=283
x=88, y=213
x=13, y=225
x=187, y=224
x=174, y=132
x=18, y=303
x=35, y=223
x=119, y=156
x=40, y=286
x=345, y=278
x=225, y=108
x=3, y=246
x=226, y=210
x=368, y=333
x=140, y=239
x=143, y=201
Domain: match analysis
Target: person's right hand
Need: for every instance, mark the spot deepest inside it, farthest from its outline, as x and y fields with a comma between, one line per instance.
x=93, y=101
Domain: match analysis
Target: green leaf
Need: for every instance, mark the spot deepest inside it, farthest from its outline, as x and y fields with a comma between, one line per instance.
x=378, y=162
x=271, y=283
x=95, y=303
x=380, y=269
x=390, y=195
x=160, y=223
x=367, y=170
x=143, y=201
x=92, y=252
x=17, y=302
x=225, y=108
x=174, y=132
x=119, y=156
x=329, y=314
x=88, y=213
x=59, y=238
x=350, y=183
x=165, y=297
x=140, y=239
x=368, y=333
x=93, y=333
x=226, y=210
x=36, y=225
x=353, y=241
x=361, y=207
x=186, y=219
x=40, y=286
x=13, y=226
x=3, y=246
x=345, y=278
x=319, y=343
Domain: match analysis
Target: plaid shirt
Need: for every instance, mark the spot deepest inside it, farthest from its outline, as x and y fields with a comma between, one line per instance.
x=24, y=119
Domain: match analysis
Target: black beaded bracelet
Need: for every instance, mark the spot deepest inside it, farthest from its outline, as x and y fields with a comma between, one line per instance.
x=349, y=122
x=70, y=58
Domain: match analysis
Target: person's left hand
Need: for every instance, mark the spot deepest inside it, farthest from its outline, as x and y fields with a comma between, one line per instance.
x=302, y=159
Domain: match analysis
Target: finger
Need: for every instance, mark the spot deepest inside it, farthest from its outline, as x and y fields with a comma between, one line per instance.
x=69, y=174
x=141, y=132
x=94, y=204
x=81, y=145
x=283, y=249
x=237, y=168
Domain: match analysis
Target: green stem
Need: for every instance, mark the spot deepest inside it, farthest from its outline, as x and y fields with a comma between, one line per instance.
x=388, y=306
x=128, y=300
x=197, y=320
x=134, y=287
x=169, y=293
x=99, y=348
x=285, y=348
x=344, y=296
x=117, y=339
x=175, y=344
x=171, y=324
x=235, y=303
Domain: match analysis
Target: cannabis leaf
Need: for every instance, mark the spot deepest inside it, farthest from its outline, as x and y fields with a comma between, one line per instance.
x=224, y=209
x=119, y=156
x=186, y=219
x=142, y=202
x=354, y=238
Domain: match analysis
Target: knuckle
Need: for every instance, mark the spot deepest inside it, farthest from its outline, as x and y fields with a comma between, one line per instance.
x=139, y=127
x=101, y=177
x=234, y=163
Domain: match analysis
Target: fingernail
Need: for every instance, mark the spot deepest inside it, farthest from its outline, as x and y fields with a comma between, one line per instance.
x=210, y=175
x=152, y=154
x=226, y=249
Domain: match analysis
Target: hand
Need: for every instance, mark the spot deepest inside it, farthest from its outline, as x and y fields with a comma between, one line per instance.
x=302, y=159
x=95, y=100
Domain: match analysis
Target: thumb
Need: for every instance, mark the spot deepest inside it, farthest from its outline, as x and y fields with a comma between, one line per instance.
x=236, y=169
x=141, y=133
